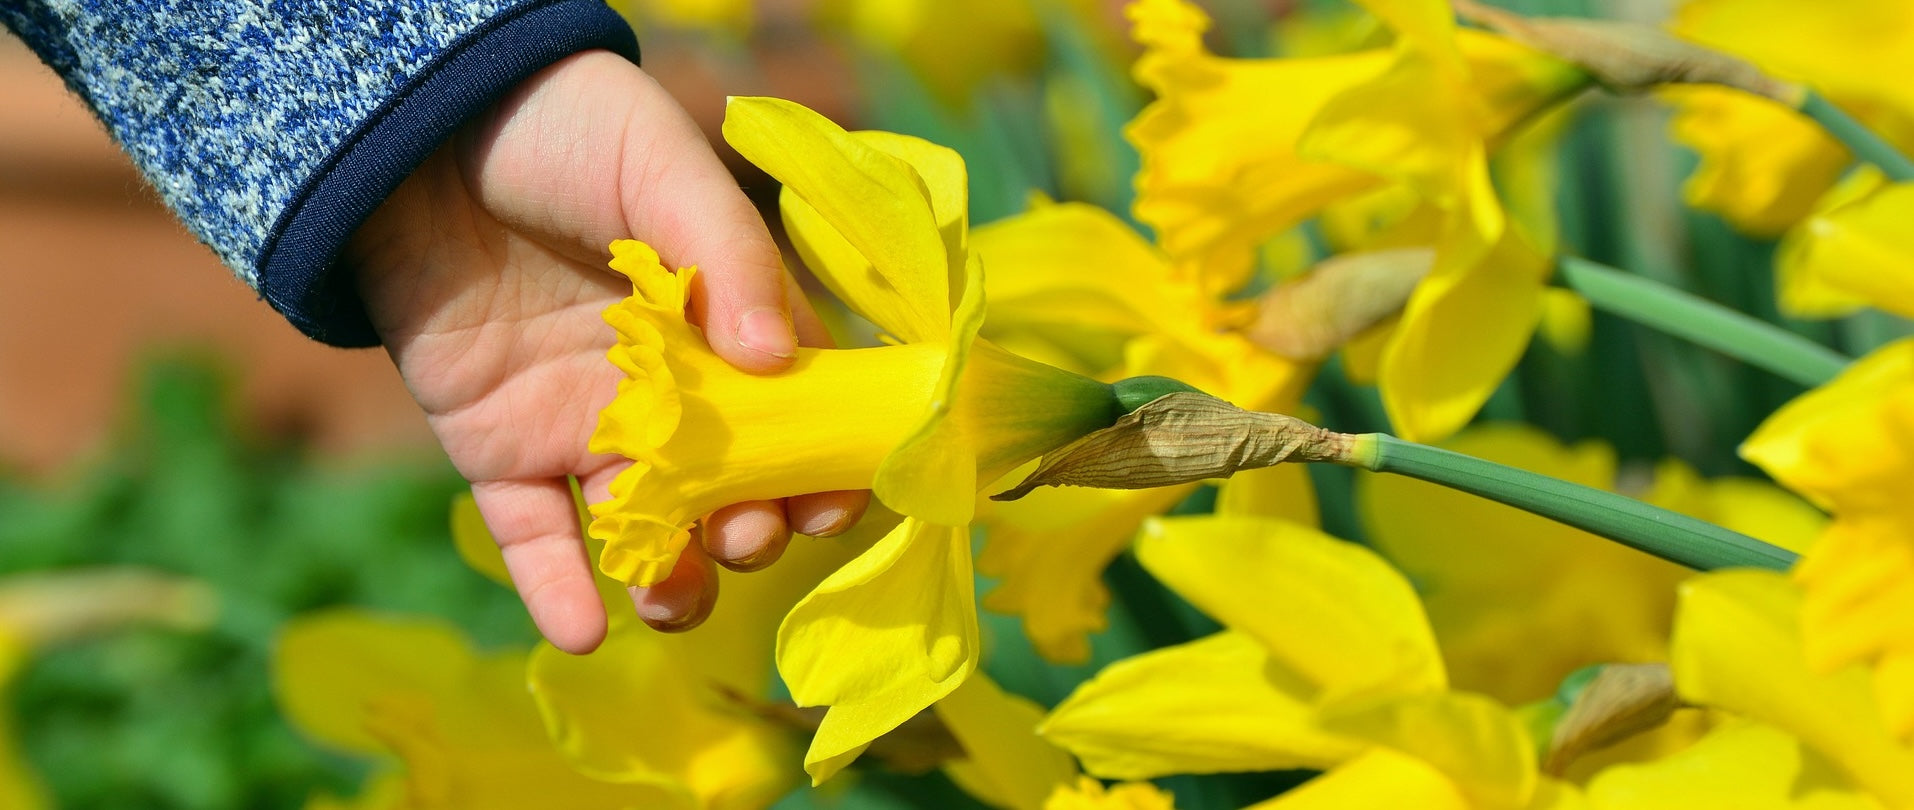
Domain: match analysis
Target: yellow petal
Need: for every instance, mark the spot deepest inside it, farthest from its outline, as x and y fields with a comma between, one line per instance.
x=991, y=411
x=715, y=750
x=898, y=273
x=474, y=542
x=1378, y=777
x=1463, y=329
x=1473, y=740
x=328, y=668
x=463, y=725
x=1858, y=606
x=1846, y=445
x=1855, y=250
x=1405, y=124
x=1283, y=492
x=1333, y=612
x=1737, y=646
x=1071, y=267
x=998, y=731
x=1218, y=704
x=1762, y=165
x=932, y=474
x=1220, y=171
x=883, y=638
x=1740, y=765
x=1048, y=551
x=712, y=753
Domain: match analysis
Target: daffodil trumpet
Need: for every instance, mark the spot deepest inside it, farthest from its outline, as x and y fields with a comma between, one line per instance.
x=922, y=422
x=1702, y=322
x=1185, y=437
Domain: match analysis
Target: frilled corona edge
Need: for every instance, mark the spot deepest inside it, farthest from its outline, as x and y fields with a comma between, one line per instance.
x=642, y=418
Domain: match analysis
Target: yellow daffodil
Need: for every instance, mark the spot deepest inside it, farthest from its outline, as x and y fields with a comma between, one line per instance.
x=880, y=219
x=1763, y=166
x=1852, y=252
x=1326, y=662
x=1739, y=646
x=1496, y=579
x=1422, y=114
x=1427, y=122
x=1849, y=446
x=1073, y=281
x=458, y=726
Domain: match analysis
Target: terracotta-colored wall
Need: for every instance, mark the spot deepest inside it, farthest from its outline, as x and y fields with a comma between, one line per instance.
x=94, y=271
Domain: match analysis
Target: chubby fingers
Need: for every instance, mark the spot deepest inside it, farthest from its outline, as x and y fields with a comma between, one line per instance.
x=826, y=514
x=684, y=598
x=536, y=526
x=680, y=198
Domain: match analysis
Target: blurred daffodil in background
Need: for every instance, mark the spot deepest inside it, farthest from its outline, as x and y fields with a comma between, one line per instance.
x=1763, y=166
x=1236, y=151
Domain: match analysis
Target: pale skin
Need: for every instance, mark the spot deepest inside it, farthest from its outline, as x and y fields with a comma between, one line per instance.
x=485, y=276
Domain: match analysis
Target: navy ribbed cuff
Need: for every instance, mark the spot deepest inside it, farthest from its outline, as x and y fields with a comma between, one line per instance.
x=300, y=273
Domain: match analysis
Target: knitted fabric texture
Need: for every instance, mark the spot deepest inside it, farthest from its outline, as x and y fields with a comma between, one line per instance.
x=237, y=110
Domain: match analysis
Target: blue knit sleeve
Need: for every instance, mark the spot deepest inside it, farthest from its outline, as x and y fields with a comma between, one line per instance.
x=275, y=127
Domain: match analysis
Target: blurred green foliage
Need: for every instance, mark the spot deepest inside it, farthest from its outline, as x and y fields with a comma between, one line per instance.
x=165, y=719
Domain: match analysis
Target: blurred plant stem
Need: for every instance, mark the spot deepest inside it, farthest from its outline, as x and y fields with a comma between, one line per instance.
x=1641, y=526
x=1863, y=142
x=1702, y=322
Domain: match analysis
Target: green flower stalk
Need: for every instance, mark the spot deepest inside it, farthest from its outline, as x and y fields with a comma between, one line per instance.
x=1702, y=322
x=1186, y=436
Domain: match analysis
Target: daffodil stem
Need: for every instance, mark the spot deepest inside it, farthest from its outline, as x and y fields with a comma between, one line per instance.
x=1859, y=139
x=1669, y=535
x=1702, y=322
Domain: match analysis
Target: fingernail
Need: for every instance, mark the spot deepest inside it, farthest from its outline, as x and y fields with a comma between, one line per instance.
x=667, y=617
x=756, y=560
x=766, y=330
x=827, y=523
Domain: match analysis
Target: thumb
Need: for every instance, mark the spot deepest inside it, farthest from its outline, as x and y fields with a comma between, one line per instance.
x=680, y=198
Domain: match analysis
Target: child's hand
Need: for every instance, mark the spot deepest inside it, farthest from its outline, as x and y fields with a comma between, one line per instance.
x=485, y=275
